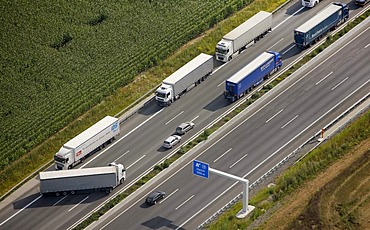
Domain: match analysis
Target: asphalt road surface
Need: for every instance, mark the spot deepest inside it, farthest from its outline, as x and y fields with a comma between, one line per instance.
x=139, y=147
x=286, y=118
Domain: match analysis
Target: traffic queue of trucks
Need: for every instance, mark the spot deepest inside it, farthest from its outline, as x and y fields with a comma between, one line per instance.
x=244, y=35
x=72, y=181
x=315, y=28
x=106, y=178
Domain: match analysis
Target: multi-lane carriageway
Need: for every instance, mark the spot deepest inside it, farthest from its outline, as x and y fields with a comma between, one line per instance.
x=140, y=145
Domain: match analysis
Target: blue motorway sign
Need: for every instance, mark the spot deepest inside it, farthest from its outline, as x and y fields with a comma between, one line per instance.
x=200, y=169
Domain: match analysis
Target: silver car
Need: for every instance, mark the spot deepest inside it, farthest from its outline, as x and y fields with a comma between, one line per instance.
x=171, y=141
x=184, y=127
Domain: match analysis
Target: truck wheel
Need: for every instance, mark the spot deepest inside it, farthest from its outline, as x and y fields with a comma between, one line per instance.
x=109, y=190
x=65, y=193
x=57, y=194
x=122, y=180
x=73, y=192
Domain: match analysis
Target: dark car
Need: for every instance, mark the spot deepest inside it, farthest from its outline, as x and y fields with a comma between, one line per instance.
x=154, y=197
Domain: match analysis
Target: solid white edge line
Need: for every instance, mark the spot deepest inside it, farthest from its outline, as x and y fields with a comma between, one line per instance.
x=174, y=117
x=324, y=78
x=274, y=116
x=367, y=45
x=136, y=161
x=78, y=203
x=345, y=79
x=184, y=202
x=222, y=155
x=291, y=120
x=238, y=161
x=169, y=196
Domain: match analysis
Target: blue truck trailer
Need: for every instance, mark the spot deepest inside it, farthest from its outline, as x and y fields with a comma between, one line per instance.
x=252, y=74
x=315, y=28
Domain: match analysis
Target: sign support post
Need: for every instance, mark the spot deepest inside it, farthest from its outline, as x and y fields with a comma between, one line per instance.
x=202, y=169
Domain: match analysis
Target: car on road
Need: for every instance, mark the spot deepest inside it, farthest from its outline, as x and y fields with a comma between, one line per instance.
x=171, y=141
x=154, y=197
x=184, y=127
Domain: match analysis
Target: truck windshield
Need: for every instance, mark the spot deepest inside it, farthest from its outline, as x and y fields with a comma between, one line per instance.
x=59, y=159
x=222, y=51
x=161, y=95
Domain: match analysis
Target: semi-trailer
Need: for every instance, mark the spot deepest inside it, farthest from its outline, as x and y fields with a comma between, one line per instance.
x=63, y=182
x=316, y=27
x=77, y=149
x=180, y=81
x=243, y=36
x=252, y=75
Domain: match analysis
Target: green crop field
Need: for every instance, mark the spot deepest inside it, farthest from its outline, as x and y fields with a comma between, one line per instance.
x=60, y=59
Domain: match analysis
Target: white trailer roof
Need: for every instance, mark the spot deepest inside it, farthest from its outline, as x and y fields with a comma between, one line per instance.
x=246, y=70
x=247, y=25
x=325, y=13
x=77, y=172
x=90, y=132
x=187, y=68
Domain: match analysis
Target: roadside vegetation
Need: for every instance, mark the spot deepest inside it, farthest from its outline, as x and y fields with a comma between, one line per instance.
x=333, y=205
x=60, y=61
x=314, y=163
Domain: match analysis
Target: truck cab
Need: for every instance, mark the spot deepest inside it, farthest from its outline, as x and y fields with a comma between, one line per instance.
x=164, y=95
x=121, y=171
x=224, y=51
x=62, y=158
x=310, y=3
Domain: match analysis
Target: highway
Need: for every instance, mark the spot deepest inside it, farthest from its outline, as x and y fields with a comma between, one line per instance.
x=139, y=148
x=314, y=98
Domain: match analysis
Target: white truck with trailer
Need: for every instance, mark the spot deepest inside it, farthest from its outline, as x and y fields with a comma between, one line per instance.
x=178, y=83
x=63, y=182
x=243, y=36
x=81, y=146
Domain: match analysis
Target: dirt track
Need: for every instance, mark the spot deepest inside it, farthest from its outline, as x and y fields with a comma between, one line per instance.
x=338, y=198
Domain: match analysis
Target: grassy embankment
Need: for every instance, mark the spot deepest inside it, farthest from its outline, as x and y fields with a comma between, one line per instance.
x=308, y=196
x=89, y=45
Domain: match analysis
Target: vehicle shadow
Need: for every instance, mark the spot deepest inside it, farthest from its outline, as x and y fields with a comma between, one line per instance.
x=293, y=8
x=38, y=200
x=218, y=103
x=160, y=222
x=149, y=108
x=290, y=51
